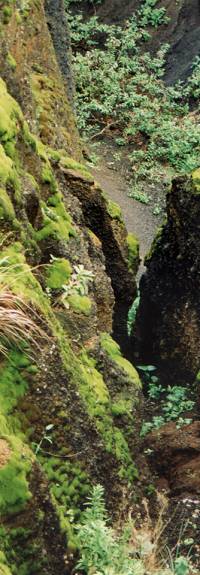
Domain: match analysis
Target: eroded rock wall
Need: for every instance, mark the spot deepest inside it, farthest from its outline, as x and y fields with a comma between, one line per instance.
x=169, y=315
x=69, y=413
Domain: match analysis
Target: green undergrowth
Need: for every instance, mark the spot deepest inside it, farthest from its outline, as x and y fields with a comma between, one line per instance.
x=153, y=120
x=21, y=554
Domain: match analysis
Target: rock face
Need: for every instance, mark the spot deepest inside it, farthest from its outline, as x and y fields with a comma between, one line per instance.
x=169, y=315
x=182, y=32
x=65, y=256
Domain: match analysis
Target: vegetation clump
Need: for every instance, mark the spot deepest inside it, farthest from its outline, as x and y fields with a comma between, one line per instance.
x=130, y=552
x=59, y=272
x=153, y=119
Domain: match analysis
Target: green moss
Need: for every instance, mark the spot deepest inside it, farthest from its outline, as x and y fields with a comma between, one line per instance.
x=96, y=388
x=34, y=142
x=198, y=376
x=70, y=164
x=98, y=403
x=7, y=13
x=114, y=210
x=6, y=167
x=10, y=149
x=58, y=273
x=10, y=117
x=54, y=155
x=6, y=208
x=57, y=223
x=113, y=350
x=10, y=114
x=69, y=486
x=121, y=407
x=11, y=61
x=22, y=281
x=196, y=180
x=80, y=303
x=48, y=177
x=133, y=252
x=14, y=489
x=12, y=383
x=4, y=569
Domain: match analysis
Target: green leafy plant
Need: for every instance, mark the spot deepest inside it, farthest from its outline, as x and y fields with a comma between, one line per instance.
x=78, y=284
x=46, y=437
x=174, y=404
x=151, y=380
x=149, y=117
x=103, y=551
x=141, y=197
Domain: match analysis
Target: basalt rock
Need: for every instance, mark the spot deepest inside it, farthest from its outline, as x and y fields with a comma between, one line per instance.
x=169, y=315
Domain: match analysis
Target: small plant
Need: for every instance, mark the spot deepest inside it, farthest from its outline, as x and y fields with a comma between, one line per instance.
x=151, y=380
x=45, y=437
x=174, y=404
x=141, y=197
x=78, y=284
x=132, y=313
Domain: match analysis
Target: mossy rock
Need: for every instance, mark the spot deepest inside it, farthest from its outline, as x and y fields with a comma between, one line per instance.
x=10, y=114
x=114, y=210
x=58, y=273
x=70, y=164
x=4, y=569
x=113, y=350
x=196, y=180
x=133, y=252
x=80, y=303
x=11, y=61
x=57, y=223
x=6, y=208
x=14, y=487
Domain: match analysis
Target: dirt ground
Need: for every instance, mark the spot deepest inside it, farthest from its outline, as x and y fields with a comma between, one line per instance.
x=113, y=177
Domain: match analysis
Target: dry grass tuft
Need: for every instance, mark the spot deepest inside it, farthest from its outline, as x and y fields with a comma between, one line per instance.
x=17, y=327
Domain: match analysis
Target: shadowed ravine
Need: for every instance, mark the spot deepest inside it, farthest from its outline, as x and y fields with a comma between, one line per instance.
x=72, y=405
